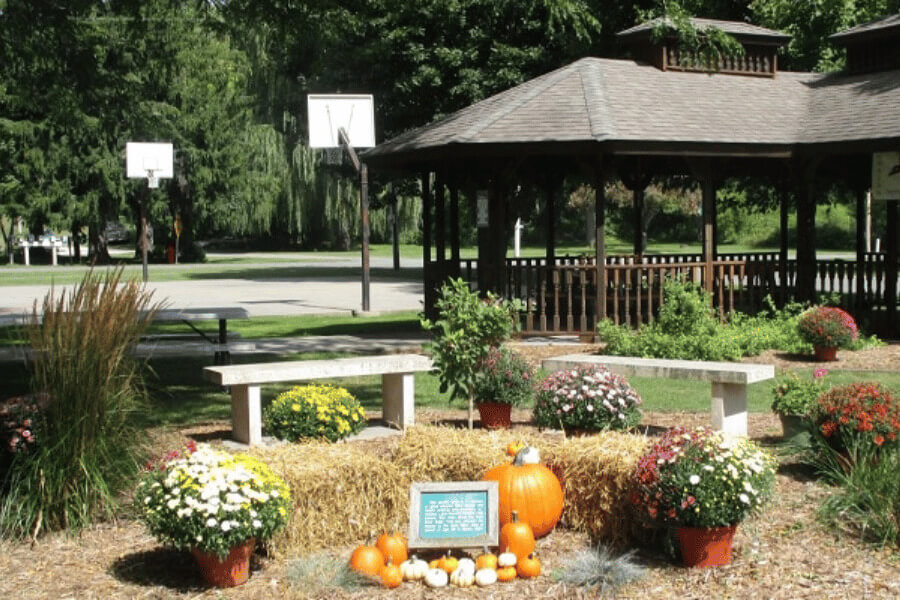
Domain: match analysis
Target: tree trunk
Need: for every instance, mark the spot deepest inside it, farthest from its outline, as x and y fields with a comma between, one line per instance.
x=99, y=245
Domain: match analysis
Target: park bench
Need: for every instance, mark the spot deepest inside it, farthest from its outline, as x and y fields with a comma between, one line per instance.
x=729, y=380
x=397, y=385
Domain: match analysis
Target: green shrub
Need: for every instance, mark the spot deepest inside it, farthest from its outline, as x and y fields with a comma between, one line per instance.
x=89, y=448
x=793, y=395
x=504, y=377
x=314, y=411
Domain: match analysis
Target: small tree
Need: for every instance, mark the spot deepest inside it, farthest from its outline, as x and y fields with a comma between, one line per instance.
x=463, y=335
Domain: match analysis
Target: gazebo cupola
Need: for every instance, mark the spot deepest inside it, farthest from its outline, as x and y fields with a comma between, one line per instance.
x=873, y=46
x=760, y=57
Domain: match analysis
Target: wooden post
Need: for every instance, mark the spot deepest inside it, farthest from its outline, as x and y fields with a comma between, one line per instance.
x=550, y=217
x=364, y=216
x=454, y=227
x=709, y=213
x=784, y=195
x=485, y=265
x=861, y=193
x=890, y=277
x=440, y=230
x=600, y=241
x=638, y=200
x=426, y=243
x=806, y=233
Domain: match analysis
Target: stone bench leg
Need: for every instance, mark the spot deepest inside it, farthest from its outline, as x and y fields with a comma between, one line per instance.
x=729, y=407
x=398, y=399
x=246, y=414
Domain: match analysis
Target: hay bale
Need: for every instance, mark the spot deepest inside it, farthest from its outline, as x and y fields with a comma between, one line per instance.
x=433, y=453
x=595, y=472
x=342, y=495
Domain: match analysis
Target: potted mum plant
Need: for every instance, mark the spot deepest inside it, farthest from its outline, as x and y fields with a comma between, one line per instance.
x=586, y=399
x=314, y=412
x=827, y=328
x=793, y=397
x=504, y=380
x=703, y=484
x=216, y=505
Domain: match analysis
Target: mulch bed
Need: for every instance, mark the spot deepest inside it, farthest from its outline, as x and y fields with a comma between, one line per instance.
x=784, y=553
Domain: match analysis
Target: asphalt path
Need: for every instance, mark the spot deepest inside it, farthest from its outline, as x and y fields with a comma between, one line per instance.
x=259, y=295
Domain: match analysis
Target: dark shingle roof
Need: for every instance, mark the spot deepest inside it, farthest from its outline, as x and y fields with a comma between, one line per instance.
x=735, y=28
x=860, y=107
x=878, y=28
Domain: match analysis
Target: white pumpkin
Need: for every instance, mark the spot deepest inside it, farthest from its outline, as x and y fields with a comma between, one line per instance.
x=528, y=455
x=507, y=559
x=467, y=564
x=485, y=577
x=436, y=578
x=413, y=569
x=462, y=577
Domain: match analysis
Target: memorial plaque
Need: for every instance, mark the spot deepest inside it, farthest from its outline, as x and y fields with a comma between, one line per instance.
x=459, y=514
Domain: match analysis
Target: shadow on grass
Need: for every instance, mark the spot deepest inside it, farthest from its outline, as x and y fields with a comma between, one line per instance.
x=157, y=568
x=352, y=274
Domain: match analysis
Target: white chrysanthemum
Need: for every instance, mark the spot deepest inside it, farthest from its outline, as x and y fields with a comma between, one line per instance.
x=211, y=522
x=694, y=479
x=744, y=498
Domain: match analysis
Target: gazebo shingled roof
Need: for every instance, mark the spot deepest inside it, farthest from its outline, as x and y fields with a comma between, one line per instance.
x=735, y=28
x=878, y=27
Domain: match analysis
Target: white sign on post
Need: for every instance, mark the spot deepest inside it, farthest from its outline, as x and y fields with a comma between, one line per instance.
x=886, y=176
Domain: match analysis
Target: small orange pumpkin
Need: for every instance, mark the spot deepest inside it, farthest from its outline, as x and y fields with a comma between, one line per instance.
x=486, y=561
x=367, y=560
x=506, y=573
x=528, y=567
x=530, y=489
x=517, y=537
x=390, y=575
x=434, y=564
x=393, y=547
x=514, y=448
x=447, y=563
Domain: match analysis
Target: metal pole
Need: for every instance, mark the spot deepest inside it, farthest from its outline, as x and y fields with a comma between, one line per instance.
x=364, y=214
x=143, y=240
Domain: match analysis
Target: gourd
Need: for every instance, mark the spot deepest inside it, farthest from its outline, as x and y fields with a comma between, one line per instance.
x=530, y=455
x=507, y=559
x=434, y=563
x=447, y=563
x=528, y=567
x=467, y=564
x=513, y=448
x=413, y=569
x=392, y=546
x=367, y=560
x=485, y=577
x=516, y=537
x=390, y=575
x=486, y=561
x=506, y=573
x=436, y=578
x=462, y=577
x=530, y=489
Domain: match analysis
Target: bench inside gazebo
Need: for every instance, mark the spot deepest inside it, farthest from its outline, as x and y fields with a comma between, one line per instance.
x=659, y=114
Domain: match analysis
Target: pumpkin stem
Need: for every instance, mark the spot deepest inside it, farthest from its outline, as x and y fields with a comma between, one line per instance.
x=515, y=516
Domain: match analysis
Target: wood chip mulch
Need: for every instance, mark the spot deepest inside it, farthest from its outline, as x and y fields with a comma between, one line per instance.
x=784, y=553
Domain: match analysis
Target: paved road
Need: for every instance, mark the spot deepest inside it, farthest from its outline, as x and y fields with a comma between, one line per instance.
x=260, y=296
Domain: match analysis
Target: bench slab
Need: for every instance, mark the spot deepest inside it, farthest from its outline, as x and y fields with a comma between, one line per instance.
x=729, y=380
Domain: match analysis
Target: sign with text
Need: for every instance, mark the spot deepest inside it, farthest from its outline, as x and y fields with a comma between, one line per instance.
x=458, y=514
x=886, y=176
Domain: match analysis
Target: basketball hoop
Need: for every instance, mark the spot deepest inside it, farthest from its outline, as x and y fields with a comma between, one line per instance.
x=333, y=155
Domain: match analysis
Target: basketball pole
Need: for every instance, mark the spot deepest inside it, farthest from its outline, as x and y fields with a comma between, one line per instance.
x=145, y=191
x=363, y=172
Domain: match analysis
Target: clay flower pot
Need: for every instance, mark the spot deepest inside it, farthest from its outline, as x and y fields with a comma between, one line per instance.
x=705, y=546
x=826, y=353
x=495, y=415
x=234, y=570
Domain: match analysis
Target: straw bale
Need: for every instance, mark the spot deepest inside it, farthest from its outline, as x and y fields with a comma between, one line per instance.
x=342, y=494
x=595, y=471
x=433, y=453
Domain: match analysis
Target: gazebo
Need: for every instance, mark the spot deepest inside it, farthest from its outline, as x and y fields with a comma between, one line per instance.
x=664, y=112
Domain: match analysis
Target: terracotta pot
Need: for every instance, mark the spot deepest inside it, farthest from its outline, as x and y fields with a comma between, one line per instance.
x=792, y=426
x=495, y=415
x=705, y=546
x=234, y=570
x=826, y=353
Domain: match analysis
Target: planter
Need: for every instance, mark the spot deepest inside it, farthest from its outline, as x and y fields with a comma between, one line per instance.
x=705, y=546
x=826, y=353
x=792, y=426
x=234, y=570
x=495, y=415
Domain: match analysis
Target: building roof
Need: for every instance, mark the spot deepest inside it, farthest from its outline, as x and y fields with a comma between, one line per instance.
x=888, y=26
x=738, y=29
x=632, y=105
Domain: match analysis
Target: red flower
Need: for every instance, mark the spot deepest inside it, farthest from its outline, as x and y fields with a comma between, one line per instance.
x=879, y=440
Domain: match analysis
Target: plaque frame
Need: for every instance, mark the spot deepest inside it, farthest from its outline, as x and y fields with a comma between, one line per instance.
x=488, y=538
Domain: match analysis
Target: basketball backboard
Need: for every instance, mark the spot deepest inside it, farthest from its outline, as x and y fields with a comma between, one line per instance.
x=142, y=158
x=329, y=112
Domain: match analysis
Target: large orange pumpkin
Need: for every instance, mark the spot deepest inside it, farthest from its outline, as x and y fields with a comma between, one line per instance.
x=393, y=547
x=532, y=490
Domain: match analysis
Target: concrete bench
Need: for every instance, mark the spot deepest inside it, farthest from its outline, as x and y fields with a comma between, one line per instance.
x=729, y=380
x=397, y=383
